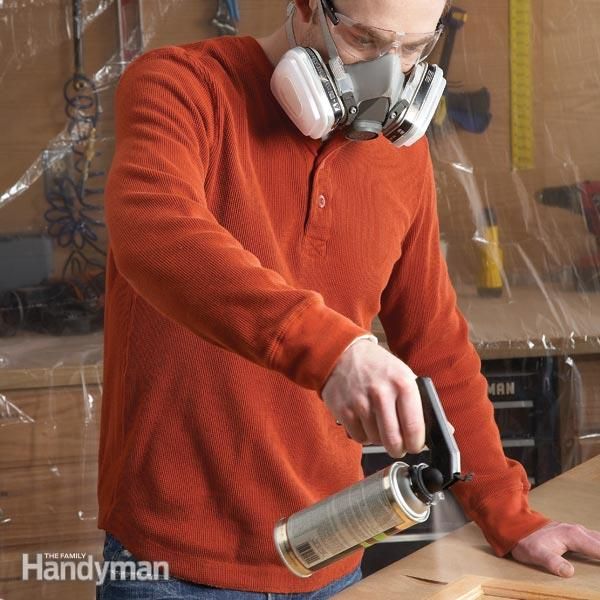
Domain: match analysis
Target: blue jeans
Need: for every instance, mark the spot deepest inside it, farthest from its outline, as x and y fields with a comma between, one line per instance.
x=178, y=589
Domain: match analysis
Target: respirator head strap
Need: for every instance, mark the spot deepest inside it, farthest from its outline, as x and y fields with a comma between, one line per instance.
x=289, y=25
x=342, y=79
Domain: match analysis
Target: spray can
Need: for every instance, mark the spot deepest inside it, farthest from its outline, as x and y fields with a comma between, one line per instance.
x=380, y=505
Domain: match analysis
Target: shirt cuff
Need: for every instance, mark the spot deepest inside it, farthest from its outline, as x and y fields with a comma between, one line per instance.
x=507, y=518
x=307, y=349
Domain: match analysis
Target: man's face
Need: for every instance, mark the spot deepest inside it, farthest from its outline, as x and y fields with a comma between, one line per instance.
x=368, y=28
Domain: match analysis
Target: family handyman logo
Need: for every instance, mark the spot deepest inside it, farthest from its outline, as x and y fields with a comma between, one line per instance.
x=81, y=566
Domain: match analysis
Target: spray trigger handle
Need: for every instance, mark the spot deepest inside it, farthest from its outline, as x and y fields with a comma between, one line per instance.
x=445, y=455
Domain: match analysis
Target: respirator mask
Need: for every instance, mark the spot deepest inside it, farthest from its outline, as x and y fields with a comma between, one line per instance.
x=366, y=98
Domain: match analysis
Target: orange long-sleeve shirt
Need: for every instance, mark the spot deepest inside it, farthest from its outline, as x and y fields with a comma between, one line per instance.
x=243, y=259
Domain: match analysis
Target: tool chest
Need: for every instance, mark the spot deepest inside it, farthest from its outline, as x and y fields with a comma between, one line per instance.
x=524, y=392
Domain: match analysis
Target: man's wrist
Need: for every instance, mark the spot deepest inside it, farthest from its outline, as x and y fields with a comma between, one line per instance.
x=366, y=336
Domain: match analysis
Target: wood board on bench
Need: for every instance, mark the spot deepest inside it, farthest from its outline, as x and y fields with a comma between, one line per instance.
x=472, y=587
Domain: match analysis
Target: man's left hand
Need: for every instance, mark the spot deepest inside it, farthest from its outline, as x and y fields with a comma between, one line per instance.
x=545, y=547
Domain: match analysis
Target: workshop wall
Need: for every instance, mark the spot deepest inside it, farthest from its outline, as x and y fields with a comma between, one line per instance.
x=476, y=169
x=37, y=60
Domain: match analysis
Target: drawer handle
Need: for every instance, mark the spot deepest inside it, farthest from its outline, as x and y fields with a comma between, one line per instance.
x=513, y=404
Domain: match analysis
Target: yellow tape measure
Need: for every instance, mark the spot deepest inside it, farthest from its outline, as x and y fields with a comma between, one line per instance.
x=521, y=86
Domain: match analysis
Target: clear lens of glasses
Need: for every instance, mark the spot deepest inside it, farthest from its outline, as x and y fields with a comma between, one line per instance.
x=368, y=43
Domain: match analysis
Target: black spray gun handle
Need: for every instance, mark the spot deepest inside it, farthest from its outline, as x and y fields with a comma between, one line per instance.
x=444, y=469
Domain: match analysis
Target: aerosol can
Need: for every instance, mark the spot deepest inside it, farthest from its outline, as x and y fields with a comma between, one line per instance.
x=380, y=505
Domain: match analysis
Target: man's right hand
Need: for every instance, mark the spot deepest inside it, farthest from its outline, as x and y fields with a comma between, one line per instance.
x=374, y=395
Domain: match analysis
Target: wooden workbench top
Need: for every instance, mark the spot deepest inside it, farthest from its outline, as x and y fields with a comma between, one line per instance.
x=573, y=496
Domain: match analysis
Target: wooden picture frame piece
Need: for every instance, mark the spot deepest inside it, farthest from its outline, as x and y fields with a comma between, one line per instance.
x=472, y=587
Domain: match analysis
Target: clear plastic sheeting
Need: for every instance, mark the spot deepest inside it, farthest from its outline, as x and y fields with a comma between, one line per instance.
x=50, y=403
x=55, y=156
x=580, y=406
x=516, y=153
x=29, y=27
x=135, y=29
x=62, y=144
x=515, y=149
x=520, y=140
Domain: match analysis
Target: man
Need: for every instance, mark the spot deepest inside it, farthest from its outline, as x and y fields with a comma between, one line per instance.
x=246, y=264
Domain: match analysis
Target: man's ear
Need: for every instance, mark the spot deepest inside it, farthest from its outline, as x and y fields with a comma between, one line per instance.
x=305, y=10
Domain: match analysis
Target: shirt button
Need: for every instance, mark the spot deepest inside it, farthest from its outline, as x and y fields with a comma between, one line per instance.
x=322, y=201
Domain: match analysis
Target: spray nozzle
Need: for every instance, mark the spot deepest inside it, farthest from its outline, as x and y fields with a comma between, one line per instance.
x=426, y=482
x=433, y=479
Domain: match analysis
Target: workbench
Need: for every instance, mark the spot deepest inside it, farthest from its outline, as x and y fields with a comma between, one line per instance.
x=573, y=496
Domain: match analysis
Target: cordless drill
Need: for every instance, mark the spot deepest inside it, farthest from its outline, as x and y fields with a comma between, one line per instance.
x=584, y=199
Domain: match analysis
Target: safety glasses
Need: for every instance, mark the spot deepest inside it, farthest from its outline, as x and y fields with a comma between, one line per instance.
x=365, y=42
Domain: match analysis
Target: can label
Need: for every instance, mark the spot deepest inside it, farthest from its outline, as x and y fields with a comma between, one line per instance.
x=344, y=520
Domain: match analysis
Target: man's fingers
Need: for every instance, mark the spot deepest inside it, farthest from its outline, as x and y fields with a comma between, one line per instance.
x=559, y=566
x=553, y=562
x=410, y=414
x=562, y=567
x=369, y=425
x=355, y=429
x=584, y=541
x=545, y=547
x=364, y=367
x=388, y=426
